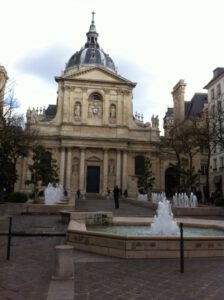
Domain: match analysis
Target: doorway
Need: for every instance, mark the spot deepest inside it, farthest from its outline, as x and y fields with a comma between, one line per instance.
x=93, y=179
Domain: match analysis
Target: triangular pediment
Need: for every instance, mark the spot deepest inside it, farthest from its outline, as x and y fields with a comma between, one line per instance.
x=97, y=74
x=93, y=158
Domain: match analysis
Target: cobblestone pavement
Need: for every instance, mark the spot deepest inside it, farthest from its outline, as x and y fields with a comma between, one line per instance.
x=28, y=272
x=150, y=280
x=27, y=275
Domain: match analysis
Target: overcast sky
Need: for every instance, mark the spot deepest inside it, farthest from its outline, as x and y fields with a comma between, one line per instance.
x=152, y=42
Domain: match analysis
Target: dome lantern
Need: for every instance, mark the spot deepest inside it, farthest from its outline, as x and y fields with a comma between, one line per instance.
x=91, y=53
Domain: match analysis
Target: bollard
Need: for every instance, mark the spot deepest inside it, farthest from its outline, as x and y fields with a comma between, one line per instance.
x=9, y=239
x=181, y=249
x=64, y=262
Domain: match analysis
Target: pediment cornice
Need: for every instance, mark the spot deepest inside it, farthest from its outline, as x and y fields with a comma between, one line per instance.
x=78, y=76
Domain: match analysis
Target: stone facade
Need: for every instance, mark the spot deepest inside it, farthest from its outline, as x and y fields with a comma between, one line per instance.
x=215, y=89
x=94, y=133
x=91, y=131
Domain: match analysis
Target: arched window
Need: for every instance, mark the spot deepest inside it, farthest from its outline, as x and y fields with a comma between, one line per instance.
x=95, y=96
x=172, y=181
x=95, y=107
x=139, y=164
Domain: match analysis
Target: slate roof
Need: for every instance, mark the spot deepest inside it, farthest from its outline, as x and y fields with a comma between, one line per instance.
x=196, y=105
x=169, y=112
x=218, y=72
x=51, y=111
x=192, y=108
x=91, y=53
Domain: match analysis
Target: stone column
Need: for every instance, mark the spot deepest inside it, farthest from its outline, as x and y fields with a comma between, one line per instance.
x=105, y=170
x=178, y=102
x=62, y=167
x=124, y=171
x=68, y=171
x=118, y=170
x=82, y=170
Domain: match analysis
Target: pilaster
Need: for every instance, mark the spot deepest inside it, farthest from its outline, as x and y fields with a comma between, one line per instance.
x=105, y=170
x=62, y=167
x=68, y=171
x=118, y=169
x=82, y=170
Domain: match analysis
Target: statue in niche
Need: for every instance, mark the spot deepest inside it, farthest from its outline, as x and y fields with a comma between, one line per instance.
x=111, y=168
x=113, y=112
x=75, y=167
x=77, y=110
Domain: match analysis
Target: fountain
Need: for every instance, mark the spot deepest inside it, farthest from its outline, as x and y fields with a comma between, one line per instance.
x=163, y=223
x=161, y=240
x=53, y=194
x=182, y=200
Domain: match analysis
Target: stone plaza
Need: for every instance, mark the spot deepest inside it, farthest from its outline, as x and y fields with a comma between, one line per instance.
x=28, y=273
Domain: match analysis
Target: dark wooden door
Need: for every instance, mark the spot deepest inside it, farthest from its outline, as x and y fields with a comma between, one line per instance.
x=93, y=179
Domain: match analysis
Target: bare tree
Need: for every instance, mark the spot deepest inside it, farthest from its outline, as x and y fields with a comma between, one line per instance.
x=14, y=141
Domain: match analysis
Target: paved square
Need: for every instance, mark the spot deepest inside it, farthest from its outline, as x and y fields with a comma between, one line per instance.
x=150, y=280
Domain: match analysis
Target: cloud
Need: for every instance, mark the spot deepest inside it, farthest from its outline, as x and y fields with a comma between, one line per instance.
x=45, y=63
x=144, y=79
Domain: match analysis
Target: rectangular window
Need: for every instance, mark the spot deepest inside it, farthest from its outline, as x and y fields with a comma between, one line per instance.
x=204, y=168
x=215, y=164
x=218, y=90
x=219, y=106
x=212, y=94
x=204, y=147
x=213, y=110
x=221, y=162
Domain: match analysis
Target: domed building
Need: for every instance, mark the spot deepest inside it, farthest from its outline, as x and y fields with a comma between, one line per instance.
x=91, y=131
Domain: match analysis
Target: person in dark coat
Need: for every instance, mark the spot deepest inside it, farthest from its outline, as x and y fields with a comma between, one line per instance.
x=78, y=193
x=116, y=192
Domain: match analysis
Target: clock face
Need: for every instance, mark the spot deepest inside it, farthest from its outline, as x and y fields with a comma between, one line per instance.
x=95, y=111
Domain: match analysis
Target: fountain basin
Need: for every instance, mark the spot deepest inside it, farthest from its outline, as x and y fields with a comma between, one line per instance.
x=125, y=246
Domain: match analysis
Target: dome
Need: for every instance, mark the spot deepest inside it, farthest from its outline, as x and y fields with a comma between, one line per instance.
x=91, y=53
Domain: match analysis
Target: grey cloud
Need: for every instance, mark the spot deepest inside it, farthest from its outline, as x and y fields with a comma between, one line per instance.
x=50, y=61
x=133, y=72
x=46, y=63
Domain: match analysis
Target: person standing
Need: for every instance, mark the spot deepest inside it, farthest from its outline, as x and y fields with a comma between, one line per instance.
x=116, y=192
x=78, y=193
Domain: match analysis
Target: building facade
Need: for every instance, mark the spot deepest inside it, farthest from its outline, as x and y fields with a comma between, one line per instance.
x=215, y=89
x=92, y=132
x=179, y=114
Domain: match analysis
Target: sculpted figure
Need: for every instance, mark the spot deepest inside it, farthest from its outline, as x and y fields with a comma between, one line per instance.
x=77, y=110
